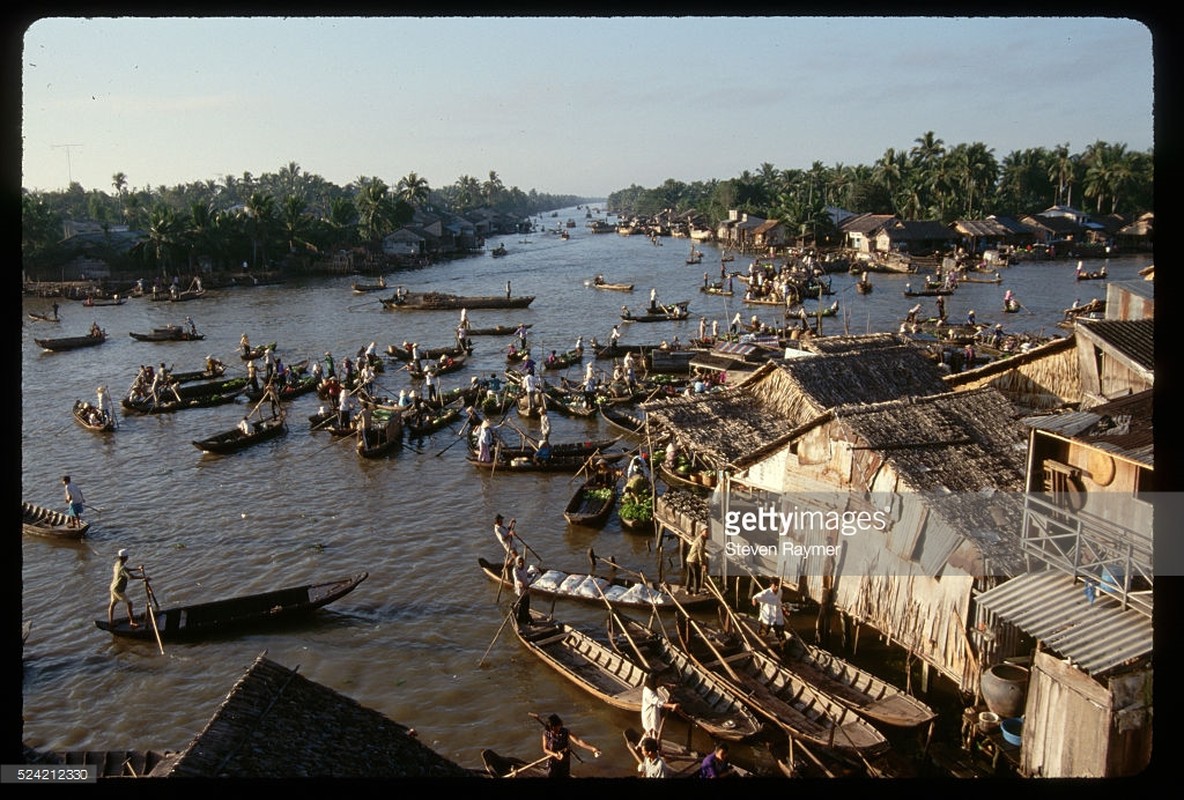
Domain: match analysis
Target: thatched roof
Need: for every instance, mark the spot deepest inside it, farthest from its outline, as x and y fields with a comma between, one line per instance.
x=726, y=427
x=844, y=344
x=277, y=724
x=956, y=442
x=1043, y=378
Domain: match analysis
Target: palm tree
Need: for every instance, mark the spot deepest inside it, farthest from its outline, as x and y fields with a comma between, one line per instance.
x=492, y=188
x=259, y=219
x=375, y=209
x=162, y=238
x=468, y=191
x=119, y=182
x=295, y=224
x=413, y=189
x=890, y=170
x=1060, y=172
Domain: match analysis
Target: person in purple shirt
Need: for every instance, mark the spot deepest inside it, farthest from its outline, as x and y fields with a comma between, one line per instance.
x=716, y=765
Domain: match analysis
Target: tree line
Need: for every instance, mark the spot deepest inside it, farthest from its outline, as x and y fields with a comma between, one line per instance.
x=289, y=213
x=928, y=181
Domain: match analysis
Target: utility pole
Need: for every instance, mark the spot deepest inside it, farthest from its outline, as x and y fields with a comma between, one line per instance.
x=69, y=169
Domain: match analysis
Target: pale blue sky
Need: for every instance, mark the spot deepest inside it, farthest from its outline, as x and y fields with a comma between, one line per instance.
x=580, y=106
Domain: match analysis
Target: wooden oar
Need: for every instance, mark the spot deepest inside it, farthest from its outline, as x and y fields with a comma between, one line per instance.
x=152, y=608
x=539, y=720
x=496, y=635
x=514, y=772
x=613, y=615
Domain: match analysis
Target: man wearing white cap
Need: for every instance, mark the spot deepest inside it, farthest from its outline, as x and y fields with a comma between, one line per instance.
x=121, y=574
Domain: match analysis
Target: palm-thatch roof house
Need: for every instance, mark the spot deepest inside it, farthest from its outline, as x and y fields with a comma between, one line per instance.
x=940, y=474
x=275, y=723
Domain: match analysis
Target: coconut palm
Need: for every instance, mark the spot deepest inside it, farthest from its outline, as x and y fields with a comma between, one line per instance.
x=259, y=223
x=413, y=189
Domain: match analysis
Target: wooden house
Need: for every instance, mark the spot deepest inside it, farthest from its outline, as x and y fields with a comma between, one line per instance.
x=1087, y=598
x=1044, y=378
x=860, y=231
x=1114, y=357
x=917, y=237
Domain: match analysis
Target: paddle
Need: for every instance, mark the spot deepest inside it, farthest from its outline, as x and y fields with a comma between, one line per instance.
x=152, y=609
x=96, y=509
x=613, y=615
x=540, y=721
x=481, y=663
x=514, y=772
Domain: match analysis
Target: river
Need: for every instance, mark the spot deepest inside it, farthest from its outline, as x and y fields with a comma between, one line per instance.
x=408, y=642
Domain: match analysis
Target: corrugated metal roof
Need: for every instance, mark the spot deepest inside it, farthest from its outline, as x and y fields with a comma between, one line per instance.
x=1053, y=607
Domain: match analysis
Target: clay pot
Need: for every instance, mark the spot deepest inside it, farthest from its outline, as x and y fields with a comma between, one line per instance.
x=1005, y=688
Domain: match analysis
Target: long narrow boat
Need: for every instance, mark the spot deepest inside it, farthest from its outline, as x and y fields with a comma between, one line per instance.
x=404, y=353
x=553, y=463
x=497, y=330
x=94, y=302
x=193, y=389
x=364, y=288
x=172, y=333
x=431, y=422
x=593, y=501
x=864, y=693
x=71, y=342
x=677, y=311
x=146, y=405
x=563, y=360
x=619, y=591
x=37, y=316
x=219, y=369
x=584, y=448
x=41, y=521
x=803, y=710
x=235, y=439
x=107, y=763
x=87, y=415
x=437, y=301
x=450, y=364
x=302, y=385
x=499, y=766
x=622, y=419
x=600, y=283
x=715, y=705
x=589, y=663
x=235, y=614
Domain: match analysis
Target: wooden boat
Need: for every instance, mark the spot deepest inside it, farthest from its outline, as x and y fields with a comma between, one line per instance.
x=867, y=695
x=404, y=353
x=37, y=316
x=928, y=292
x=234, y=439
x=302, y=386
x=972, y=278
x=499, y=766
x=451, y=364
x=382, y=437
x=432, y=422
x=41, y=521
x=619, y=591
x=435, y=301
x=704, y=698
x=146, y=405
x=584, y=449
x=1096, y=275
x=821, y=311
x=593, y=501
x=610, y=352
x=180, y=297
x=717, y=289
x=498, y=251
x=93, y=302
x=599, y=283
x=107, y=763
x=564, y=360
x=1011, y=307
x=802, y=709
x=192, y=389
x=363, y=288
x=568, y=402
x=1095, y=306
x=675, y=311
x=87, y=415
x=863, y=287
x=497, y=330
x=532, y=463
x=619, y=418
x=71, y=342
x=256, y=352
x=172, y=333
x=235, y=614
x=200, y=374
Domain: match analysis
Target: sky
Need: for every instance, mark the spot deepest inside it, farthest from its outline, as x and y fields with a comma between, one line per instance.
x=579, y=106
